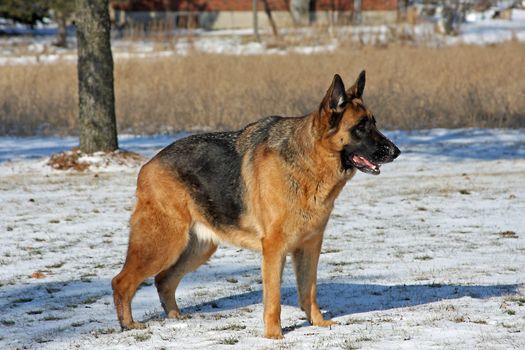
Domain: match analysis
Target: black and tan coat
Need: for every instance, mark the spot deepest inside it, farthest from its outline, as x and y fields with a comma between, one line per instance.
x=269, y=187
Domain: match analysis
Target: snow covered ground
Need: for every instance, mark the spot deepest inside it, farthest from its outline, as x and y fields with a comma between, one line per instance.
x=428, y=255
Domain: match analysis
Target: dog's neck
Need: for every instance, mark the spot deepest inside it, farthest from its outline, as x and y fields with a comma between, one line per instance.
x=321, y=171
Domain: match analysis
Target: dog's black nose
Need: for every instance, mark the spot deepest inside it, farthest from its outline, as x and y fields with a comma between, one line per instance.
x=397, y=152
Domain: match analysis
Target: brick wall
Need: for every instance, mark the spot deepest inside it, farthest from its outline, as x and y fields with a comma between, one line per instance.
x=246, y=5
x=379, y=5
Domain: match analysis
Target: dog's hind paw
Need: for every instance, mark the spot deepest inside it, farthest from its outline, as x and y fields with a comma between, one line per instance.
x=133, y=325
x=324, y=323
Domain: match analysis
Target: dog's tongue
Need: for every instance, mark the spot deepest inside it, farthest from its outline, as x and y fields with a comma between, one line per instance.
x=363, y=162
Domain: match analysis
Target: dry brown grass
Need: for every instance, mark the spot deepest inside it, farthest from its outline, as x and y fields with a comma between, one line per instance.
x=408, y=87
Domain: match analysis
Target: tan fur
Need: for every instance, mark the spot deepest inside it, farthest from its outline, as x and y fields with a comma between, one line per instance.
x=287, y=209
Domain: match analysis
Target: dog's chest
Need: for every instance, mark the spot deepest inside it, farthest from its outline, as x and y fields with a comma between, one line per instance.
x=309, y=214
x=304, y=224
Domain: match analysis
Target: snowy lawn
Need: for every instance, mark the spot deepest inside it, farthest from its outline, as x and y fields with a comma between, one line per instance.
x=428, y=255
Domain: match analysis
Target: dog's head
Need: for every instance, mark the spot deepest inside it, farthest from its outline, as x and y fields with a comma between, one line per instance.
x=346, y=126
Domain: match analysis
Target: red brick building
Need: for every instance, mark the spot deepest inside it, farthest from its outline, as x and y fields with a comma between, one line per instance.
x=246, y=5
x=238, y=13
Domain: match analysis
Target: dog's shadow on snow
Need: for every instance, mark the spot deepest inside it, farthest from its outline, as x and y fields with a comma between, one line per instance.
x=336, y=299
x=344, y=299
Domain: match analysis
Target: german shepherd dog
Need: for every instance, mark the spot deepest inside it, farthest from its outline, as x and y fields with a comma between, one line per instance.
x=269, y=187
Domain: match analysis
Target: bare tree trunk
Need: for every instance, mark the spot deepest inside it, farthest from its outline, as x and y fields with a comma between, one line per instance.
x=299, y=11
x=270, y=18
x=357, y=11
x=255, y=21
x=60, y=17
x=98, y=127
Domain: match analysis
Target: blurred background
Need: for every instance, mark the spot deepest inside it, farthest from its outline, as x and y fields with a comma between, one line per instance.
x=193, y=65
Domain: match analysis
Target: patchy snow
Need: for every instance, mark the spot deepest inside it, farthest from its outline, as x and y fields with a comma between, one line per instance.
x=19, y=148
x=40, y=50
x=428, y=255
x=489, y=32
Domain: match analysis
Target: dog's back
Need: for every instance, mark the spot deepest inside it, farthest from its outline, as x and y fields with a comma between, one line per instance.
x=210, y=167
x=211, y=164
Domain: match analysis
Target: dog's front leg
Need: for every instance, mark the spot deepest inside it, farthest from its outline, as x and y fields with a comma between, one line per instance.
x=305, y=262
x=273, y=258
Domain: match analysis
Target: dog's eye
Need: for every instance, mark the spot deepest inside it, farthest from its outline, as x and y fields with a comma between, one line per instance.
x=361, y=127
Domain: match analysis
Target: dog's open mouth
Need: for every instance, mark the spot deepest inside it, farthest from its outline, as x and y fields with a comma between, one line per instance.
x=364, y=164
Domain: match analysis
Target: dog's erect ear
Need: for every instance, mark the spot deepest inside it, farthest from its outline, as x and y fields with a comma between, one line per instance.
x=332, y=107
x=335, y=97
x=356, y=90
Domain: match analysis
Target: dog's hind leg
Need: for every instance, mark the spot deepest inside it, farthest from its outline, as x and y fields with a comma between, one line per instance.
x=159, y=235
x=197, y=252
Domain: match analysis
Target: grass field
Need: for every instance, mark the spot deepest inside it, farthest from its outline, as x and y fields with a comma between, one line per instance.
x=408, y=87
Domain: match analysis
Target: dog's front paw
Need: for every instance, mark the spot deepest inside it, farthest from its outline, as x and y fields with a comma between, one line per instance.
x=276, y=336
x=273, y=333
x=174, y=314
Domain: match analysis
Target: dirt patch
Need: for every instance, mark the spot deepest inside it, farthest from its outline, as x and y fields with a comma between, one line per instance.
x=508, y=234
x=77, y=160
